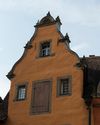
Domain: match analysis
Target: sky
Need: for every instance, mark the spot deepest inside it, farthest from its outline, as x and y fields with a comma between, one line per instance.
x=80, y=19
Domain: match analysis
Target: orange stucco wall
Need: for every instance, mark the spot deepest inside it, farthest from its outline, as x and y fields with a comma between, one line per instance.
x=66, y=110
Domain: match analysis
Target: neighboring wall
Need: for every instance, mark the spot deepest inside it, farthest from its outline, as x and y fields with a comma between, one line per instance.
x=96, y=111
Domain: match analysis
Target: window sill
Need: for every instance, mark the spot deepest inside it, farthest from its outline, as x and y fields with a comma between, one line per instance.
x=41, y=113
x=52, y=54
x=18, y=100
x=63, y=95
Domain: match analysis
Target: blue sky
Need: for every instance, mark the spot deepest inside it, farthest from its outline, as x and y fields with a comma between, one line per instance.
x=80, y=19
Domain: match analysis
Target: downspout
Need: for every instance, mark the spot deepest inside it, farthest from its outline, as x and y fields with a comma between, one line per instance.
x=89, y=109
x=86, y=96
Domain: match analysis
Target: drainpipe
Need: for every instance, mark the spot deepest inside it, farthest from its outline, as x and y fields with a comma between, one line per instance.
x=87, y=98
x=89, y=115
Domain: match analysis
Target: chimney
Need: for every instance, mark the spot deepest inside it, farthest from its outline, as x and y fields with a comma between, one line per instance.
x=91, y=55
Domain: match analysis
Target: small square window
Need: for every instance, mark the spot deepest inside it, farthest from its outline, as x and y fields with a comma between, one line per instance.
x=21, y=92
x=64, y=87
x=45, y=49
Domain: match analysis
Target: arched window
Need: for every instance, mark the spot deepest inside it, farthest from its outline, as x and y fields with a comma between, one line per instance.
x=98, y=90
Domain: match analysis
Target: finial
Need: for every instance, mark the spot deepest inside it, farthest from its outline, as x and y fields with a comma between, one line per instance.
x=38, y=22
x=83, y=59
x=84, y=56
x=67, y=36
x=48, y=14
x=58, y=19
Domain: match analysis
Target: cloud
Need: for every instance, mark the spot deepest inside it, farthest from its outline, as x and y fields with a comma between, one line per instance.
x=5, y=85
x=1, y=49
x=79, y=47
x=74, y=11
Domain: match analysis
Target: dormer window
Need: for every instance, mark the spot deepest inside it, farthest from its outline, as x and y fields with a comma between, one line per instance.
x=45, y=49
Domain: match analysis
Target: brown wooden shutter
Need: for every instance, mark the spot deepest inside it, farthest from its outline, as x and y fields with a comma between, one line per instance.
x=41, y=97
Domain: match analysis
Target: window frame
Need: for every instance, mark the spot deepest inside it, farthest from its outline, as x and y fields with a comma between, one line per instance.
x=59, y=94
x=40, y=48
x=17, y=87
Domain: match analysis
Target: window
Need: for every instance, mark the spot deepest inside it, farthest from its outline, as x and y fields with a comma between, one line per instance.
x=21, y=92
x=41, y=97
x=45, y=49
x=64, y=87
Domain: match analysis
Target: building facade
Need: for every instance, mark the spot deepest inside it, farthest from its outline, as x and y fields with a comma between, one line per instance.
x=49, y=84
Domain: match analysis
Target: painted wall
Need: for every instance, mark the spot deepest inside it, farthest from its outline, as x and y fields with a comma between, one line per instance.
x=65, y=110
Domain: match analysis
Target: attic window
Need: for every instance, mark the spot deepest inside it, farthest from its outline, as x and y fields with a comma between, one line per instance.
x=45, y=49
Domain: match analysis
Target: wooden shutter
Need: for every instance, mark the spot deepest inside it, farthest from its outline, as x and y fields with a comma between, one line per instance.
x=41, y=97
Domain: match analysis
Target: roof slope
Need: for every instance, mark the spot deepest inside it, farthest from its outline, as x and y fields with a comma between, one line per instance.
x=93, y=63
x=91, y=70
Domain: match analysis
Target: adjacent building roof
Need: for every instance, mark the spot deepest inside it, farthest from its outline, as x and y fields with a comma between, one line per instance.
x=91, y=70
x=4, y=109
x=0, y=100
x=93, y=63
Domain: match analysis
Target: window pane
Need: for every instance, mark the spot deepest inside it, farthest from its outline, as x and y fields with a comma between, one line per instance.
x=21, y=92
x=45, y=49
x=64, y=86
